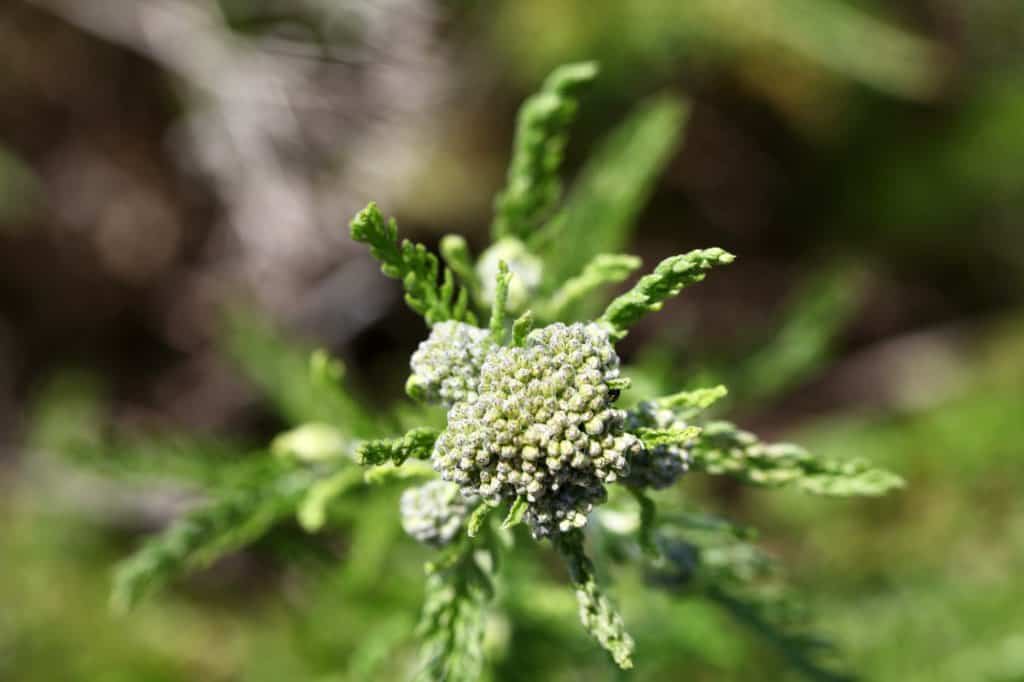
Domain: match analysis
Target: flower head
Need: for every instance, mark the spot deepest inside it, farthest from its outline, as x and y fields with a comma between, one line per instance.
x=542, y=427
x=446, y=367
x=434, y=512
x=657, y=467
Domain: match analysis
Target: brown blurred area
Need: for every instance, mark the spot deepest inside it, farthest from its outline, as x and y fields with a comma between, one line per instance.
x=164, y=168
x=167, y=158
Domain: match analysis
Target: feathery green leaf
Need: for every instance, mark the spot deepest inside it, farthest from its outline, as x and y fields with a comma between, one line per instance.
x=515, y=513
x=477, y=519
x=722, y=448
x=648, y=515
x=602, y=270
x=521, y=328
x=610, y=190
x=416, y=443
x=694, y=400
x=722, y=568
x=597, y=614
x=312, y=512
x=206, y=534
x=455, y=252
x=415, y=266
x=654, y=438
x=670, y=277
x=499, y=308
x=542, y=132
x=304, y=385
x=458, y=594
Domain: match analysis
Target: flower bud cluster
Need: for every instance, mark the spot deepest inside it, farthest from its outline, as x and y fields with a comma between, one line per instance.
x=527, y=268
x=446, y=367
x=662, y=466
x=434, y=512
x=542, y=427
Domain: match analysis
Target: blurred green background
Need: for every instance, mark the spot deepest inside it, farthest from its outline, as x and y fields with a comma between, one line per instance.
x=163, y=160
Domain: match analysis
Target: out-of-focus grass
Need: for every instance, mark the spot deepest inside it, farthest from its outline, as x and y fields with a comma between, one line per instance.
x=829, y=34
x=925, y=585
x=919, y=585
x=55, y=625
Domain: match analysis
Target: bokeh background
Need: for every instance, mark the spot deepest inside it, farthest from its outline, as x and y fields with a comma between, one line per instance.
x=163, y=161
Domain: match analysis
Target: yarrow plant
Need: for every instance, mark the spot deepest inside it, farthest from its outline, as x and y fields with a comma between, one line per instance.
x=539, y=426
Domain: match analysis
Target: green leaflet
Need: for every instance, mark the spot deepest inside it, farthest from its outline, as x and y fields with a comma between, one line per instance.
x=611, y=189
x=597, y=614
x=302, y=384
x=416, y=443
x=451, y=628
x=670, y=277
x=521, y=327
x=653, y=438
x=715, y=563
x=542, y=132
x=722, y=448
x=515, y=513
x=477, y=519
x=415, y=266
x=455, y=252
x=312, y=512
x=697, y=399
x=499, y=307
x=648, y=514
x=602, y=270
x=199, y=538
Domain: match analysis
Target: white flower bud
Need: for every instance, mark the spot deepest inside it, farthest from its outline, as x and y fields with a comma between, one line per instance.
x=558, y=456
x=662, y=466
x=434, y=512
x=524, y=265
x=446, y=367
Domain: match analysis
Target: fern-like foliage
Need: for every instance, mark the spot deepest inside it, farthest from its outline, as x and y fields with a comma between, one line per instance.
x=455, y=252
x=416, y=443
x=655, y=438
x=533, y=437
x=312, y=511
x=64, y=420
x=198, y=539
x=598, y=615
x=819, y=309
x=713, y=559
x=603, y=270
x=533, y=187
x=499, y=308
x=303, y=385
x=722, y=448
x=415, y=266
x=670, y=277
x=693, y=401
x=452, y=626
x=521, y=327
x=611, y=189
